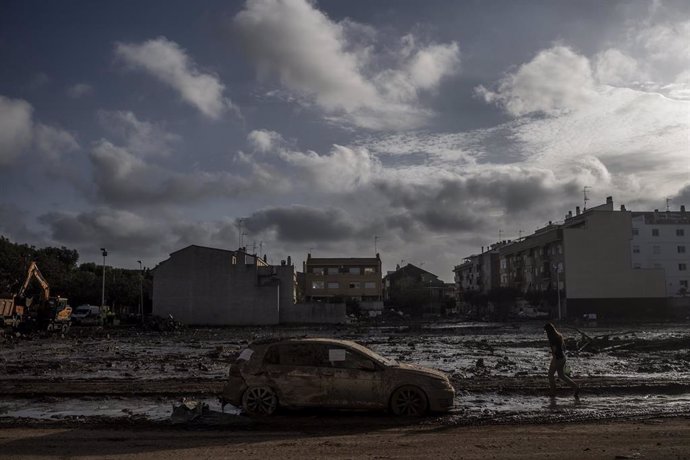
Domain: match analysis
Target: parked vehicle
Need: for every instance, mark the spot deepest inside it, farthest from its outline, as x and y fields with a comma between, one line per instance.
x=87, y=314
x=329, y=373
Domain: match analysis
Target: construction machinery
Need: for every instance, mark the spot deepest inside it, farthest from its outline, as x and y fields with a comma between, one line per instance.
x=48, y=314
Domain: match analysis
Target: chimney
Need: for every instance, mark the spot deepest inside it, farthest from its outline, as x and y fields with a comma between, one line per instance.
x=265, y=258
x=482, y=249
x=282, y=263
x=289, y=261
x=308, y=255
x=570, y=214
x=577, y=210
x=378, y=256
x=623, y=208
x=550, y=223
x=397, y=267
x=609, y=200
x=682, y=208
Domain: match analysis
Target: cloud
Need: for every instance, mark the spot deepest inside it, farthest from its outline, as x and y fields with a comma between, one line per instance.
x=613, y=67
x=129, y=235
x=140, y=137
x=79, y=90
x=16, y=127
x=123, y=179
x=54, y=142
x=166, y=61
x=264, y=141
x=321, y=63
x=556, y=80
x=20, y=133
x=302, y=223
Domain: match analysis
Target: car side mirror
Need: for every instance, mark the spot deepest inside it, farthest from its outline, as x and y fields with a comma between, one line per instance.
x=367, y=366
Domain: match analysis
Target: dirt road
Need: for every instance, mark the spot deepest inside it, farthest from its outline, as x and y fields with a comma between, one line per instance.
x=656, y=439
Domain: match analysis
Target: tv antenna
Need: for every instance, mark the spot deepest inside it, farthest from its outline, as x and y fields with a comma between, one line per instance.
x=584, y=193
x=375, y=240
x=239, y=232
x=668, y=204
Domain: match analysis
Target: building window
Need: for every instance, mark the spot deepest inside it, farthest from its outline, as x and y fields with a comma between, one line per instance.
x=317, y=270
x=317, y=284
x=680, y=232
x=332, y=270
x=354, y=271
x=682, y=267
x=681, y=249
x=369, y=270
x=684, y=283
x=656, y=250
x=370, y=285
x=636, y=231
x=354, y=285
x=636, y=249
x=637, y=266
x=655, y=232
x=333, y=285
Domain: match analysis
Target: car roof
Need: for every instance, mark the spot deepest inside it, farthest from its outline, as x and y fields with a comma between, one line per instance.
x=321, y=340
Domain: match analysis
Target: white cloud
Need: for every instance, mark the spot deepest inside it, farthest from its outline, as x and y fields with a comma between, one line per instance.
x=16, y=128
x=319, y=61
x=140, y=137
x=170, y=64
x=263, y=141
x=556, y=80
x=79, y=90
x=613, y=67
x=54, y=142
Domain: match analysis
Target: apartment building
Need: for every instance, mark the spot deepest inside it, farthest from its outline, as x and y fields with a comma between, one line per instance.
x=587, y=260
x=356, y=278
x=208, y=286
x=661, y=240
x=479, y=272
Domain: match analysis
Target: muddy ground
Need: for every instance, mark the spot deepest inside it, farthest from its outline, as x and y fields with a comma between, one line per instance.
x=128, y=376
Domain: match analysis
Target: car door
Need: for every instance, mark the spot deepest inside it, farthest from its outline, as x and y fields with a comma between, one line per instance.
x=296, y=373
x=356, y=380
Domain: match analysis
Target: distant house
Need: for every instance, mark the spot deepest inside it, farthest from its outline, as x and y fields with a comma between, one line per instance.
x=208, y=286
x=414, y=290
x=357, y=278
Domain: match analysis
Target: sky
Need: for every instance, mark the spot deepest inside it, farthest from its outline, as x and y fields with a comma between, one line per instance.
x=421, y=130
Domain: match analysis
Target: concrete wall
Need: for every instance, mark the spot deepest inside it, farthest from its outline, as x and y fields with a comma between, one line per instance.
x=201, y=286
x=313, y=313
x=598, y=261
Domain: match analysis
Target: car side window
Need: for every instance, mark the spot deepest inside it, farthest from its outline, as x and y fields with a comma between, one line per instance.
x=342, y=358
x=303, y=354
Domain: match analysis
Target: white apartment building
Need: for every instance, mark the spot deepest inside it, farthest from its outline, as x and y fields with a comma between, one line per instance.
x=661, y=240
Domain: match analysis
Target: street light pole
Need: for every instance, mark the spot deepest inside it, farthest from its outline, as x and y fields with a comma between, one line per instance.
x=558, y=290
x=141, y=292
x=104, y=253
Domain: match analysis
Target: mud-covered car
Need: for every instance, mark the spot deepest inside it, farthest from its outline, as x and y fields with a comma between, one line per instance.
x=328, y=373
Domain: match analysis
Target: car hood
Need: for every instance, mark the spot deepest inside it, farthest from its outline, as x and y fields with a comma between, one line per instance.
x=420, y=370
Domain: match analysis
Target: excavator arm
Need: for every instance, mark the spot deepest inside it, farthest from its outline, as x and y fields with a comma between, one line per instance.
x=34, y=272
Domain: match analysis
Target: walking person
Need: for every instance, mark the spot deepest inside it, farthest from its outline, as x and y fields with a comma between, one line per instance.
x=558, y=360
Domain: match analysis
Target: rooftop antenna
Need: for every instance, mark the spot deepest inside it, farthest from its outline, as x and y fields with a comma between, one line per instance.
x=584, y=193
x=375, y=248
x=500, y=235
x=261, y=247
x=239, y=232
x=668, y=204
x=243, y=234
x=254, y=247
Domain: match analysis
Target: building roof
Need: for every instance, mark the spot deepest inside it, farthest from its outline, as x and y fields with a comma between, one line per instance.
x=342, y=260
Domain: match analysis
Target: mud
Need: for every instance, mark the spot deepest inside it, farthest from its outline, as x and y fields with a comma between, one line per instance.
x=124, y=375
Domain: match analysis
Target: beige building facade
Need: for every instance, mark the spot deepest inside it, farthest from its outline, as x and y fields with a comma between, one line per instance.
x=356, y=278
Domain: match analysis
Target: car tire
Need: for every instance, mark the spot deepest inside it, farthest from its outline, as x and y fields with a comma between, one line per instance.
x=259, y=400
x=409, y=401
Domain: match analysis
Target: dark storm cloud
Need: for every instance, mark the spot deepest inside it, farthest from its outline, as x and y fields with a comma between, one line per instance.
x=683, y=197
x=303, y=223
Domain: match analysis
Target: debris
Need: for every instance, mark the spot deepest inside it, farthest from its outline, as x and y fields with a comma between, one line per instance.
x=187, y=411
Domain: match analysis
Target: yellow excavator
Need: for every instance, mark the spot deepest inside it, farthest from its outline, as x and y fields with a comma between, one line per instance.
x=48, y=314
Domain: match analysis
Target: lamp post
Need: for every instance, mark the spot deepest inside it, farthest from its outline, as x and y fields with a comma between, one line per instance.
x=141, y=291
x=558, y=289
x=104, y=253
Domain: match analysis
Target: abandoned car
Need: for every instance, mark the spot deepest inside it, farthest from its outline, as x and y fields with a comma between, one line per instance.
x=329, y=373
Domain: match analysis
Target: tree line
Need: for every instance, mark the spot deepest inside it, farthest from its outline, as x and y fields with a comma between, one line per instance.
x=80, y=283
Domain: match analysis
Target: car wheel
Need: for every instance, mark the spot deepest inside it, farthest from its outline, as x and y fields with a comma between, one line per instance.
x=409, y=401
x=259, y=401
